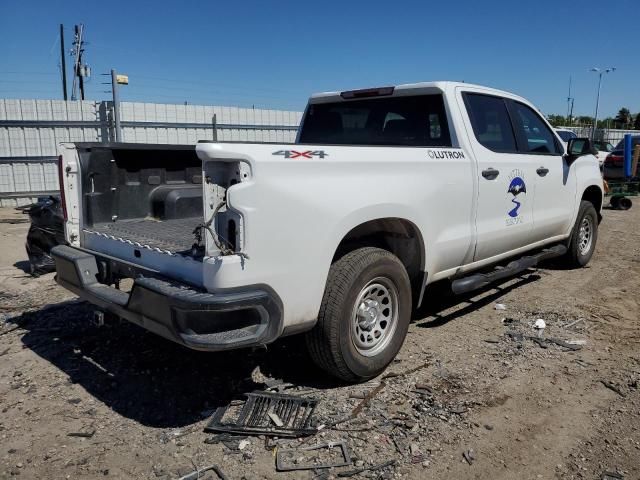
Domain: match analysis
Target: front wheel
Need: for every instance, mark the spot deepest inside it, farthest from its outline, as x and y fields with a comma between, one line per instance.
x=364, y=315
x=583, y=237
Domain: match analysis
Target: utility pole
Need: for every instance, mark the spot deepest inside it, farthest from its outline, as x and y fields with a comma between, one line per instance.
x=571, y=113
x=600, y=72
x=569, y=103
x=63, y=62
x=80, y=70
x=116, y=104
x=115, y=81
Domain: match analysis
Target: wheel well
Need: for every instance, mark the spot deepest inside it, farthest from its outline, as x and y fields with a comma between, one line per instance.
x=396, y=235
x=593, y=194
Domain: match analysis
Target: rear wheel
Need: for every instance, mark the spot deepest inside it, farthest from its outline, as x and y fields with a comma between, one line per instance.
x=364, y=315
x=583, y=237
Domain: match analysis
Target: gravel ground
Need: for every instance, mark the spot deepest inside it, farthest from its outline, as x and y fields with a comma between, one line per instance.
x=473, y=393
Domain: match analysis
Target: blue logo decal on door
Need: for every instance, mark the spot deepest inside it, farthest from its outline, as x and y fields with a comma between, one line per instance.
x=516, y=187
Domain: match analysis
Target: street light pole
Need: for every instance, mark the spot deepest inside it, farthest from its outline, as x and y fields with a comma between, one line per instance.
x=116, y=105
x=600, y=72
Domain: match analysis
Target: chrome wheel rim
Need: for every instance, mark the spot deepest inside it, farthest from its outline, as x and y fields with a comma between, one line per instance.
x=375, y=317
x=585, y=235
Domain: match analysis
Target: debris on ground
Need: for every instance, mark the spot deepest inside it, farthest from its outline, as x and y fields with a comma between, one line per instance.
x=543, y=342
x=196, y=474
x=469, y=456
x=373, y=468
x=569, y=325
x=265, y=413
x=500, y=306
x=275, y=419
x=325, y=455
x=231, y=441
x=46, y=231
x=613, y=387
x=84, y=434
x=611, y=476
x=540, y=324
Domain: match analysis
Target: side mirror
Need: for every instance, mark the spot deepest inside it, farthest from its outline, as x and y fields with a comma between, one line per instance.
x=577, y=147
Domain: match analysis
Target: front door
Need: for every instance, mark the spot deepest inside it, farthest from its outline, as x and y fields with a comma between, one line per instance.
x=555, y=180
x=506, y=180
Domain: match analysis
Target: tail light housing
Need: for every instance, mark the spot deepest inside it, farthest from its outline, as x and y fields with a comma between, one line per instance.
x=368, y=92
x=614, y=160
x=61, y=173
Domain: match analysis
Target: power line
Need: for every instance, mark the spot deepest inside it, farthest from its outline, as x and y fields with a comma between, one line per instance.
x=149, y=89
x=210, y=84
x=26, y=73
x=38, y=82
x=210, y=101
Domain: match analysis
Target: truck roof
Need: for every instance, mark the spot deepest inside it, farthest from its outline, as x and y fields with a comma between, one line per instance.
x=413, y=88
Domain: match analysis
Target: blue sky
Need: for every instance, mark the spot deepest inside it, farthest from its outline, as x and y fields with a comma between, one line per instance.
x=275, y=53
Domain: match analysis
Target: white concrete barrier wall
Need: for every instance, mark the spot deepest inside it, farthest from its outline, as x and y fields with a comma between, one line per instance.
x=30, y=131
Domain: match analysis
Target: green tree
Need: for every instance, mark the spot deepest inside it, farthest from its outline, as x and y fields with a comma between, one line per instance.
x=606, y=122
x=623, y=119
x=636, y=124
x=585, y=120
x=557, y=120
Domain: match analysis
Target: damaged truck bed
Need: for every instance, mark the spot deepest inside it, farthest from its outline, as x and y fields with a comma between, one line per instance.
x=146, y=196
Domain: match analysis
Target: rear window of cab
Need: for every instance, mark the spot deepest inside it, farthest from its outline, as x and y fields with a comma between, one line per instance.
x=418, y=121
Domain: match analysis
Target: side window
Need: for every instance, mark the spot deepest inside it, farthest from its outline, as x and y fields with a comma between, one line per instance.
x=490, y=121
x=435, y=129
x=536, y=136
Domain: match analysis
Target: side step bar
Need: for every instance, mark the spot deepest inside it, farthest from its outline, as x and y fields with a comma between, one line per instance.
x=480, y=280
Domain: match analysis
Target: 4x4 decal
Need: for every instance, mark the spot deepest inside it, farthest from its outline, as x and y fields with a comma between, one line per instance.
x=305, y=154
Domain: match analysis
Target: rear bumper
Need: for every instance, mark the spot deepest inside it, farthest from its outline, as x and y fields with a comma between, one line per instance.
x=203, y=321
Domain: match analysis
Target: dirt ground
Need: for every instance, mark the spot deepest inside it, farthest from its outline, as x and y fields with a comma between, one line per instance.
x=471, y=396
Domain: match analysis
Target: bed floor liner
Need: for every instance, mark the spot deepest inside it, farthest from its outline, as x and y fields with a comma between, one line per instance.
x=175, y=235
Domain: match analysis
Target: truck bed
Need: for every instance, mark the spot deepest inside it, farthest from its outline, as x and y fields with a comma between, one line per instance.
x=174, y=235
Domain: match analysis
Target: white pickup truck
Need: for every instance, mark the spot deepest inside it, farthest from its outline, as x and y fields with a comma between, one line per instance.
x=385, y=191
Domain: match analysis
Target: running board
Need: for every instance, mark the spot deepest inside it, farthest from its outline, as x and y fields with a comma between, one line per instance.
x=480, y=280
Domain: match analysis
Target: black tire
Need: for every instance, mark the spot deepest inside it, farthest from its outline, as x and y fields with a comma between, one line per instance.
x=331, y=344
x=625, y=203
x=577, y=256
x=614, y=202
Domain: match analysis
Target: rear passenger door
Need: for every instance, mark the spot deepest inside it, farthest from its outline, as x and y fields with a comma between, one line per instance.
x=504, y=211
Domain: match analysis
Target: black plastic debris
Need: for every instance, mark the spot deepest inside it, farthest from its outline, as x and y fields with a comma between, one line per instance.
x=229, y=440
x=46, y=231
x=611, y=476
x=373, y=468
x=200, y=473
x=326, y=455
x=256, y=416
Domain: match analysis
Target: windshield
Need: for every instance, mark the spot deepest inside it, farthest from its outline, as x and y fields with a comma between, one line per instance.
x=566, y=135
x=603, y=146
x=411, y=121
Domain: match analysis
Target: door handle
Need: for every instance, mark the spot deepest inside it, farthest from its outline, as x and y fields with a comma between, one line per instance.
x=542, y=171
x=490, y=173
